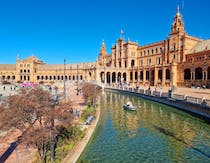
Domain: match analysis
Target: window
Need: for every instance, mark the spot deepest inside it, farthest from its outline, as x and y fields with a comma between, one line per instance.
x=119, y=64
x=148, y=52
x=156, y=50
x=158, y=60
x=152, y=51
x=161, y=50
x=141, y=62
x=149, y=61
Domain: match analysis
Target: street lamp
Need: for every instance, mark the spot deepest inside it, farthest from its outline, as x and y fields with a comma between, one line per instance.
x=54, y=102
x=64, y=80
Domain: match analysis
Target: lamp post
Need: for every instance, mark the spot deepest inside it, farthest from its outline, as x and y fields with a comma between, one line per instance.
x=77, y=80
x=64, y=80
x=54, y=101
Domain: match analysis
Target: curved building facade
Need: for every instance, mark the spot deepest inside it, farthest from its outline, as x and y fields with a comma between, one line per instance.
x=179, y=60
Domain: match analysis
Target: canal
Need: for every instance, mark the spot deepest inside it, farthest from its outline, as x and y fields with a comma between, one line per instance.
x=154, y=133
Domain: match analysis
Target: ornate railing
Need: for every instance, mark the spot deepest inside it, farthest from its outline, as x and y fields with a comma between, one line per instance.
x=193, y=100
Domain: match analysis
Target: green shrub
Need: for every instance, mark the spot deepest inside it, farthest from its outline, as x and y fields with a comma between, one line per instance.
x=87, y=112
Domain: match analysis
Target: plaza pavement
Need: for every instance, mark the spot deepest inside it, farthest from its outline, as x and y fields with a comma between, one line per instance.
x=23, y=154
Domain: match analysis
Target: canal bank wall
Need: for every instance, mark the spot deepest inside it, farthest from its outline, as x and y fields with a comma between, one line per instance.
x=77, y=150
x=196, y=110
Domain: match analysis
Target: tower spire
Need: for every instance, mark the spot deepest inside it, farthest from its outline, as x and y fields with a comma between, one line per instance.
x=178, y=24
x=121, y=33
x=177, y=10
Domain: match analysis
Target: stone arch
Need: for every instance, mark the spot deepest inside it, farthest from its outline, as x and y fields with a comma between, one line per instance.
x=167, y=74
x=108, y=77
x=136, y=75
x=187, y=74
x=160, y=72
x=119, y=76
x=102, y=76
x=113, y=77
x=73, y=77
x=131, y=75
x=208, y=73
x=198, y=73
x=152, y=75
x=147, y=75
x=141, y=75
x=124, y=76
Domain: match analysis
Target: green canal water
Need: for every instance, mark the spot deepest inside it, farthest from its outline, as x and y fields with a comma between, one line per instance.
x=154, y=133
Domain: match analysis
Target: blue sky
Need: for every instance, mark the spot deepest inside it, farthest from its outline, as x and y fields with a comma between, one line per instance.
x=73, y=29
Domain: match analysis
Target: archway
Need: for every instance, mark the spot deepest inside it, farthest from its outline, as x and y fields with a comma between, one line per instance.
x=187, y=74
x=160, y=75
x=208, y=73
x=152, y=76
x=167, y=74
x=119, y=77
x=113, y=77
x=102, y=77
x=108, y=77
x=141, y=75
x=198, y=73
x=136, y=75
x=131, y=75
x=147, y=75
x=124, y=76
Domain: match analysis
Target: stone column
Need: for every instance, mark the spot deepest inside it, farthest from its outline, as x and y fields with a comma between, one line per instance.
x=191, y=77
x=116, y=77
x=128, y=76
x=105, y=78
x=144, y=75
x=174, y=74
x=156, y=76
x=163, y=76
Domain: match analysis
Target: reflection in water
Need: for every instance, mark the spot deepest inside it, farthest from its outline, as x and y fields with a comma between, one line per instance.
x=154, y=133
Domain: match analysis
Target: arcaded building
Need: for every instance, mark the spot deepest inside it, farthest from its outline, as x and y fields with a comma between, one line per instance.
x=179, y=60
